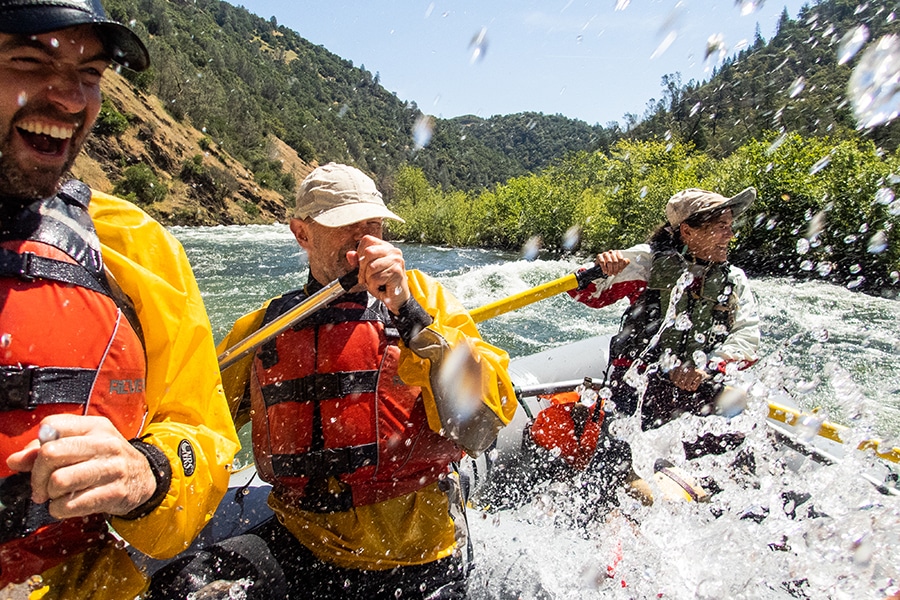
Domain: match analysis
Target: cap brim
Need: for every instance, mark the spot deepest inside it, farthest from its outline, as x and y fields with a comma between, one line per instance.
x=740, y=201
x=124, y=46
x=348, y=214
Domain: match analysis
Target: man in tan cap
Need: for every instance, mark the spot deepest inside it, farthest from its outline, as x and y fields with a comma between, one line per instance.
x=360, y=410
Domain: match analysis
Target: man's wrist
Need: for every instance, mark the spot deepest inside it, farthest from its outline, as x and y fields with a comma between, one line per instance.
x=162, y=474
x=410, y=319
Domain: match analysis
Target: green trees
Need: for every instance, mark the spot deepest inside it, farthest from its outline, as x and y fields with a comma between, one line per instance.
x=826, y=208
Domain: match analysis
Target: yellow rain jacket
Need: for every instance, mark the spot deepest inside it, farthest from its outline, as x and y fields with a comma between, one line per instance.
x=184, y=397
x=415, y=528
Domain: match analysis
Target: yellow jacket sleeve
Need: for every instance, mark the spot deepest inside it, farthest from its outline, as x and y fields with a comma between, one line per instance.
x=188, y=417
x=465, y=384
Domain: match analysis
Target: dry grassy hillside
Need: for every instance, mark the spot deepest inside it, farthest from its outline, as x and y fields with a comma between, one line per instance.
x=220, y=191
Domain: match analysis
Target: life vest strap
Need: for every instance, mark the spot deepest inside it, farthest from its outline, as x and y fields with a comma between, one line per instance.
x=320, y=386
x=29, y=266
x=320, y=464
x=26, y=388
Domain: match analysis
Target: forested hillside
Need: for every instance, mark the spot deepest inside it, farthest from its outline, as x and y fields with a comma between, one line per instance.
x=797, y=81
x=243, y=80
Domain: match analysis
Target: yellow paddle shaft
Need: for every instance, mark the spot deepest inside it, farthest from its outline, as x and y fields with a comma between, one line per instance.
x=831, y=431
x=516, y=301
x=545, y=290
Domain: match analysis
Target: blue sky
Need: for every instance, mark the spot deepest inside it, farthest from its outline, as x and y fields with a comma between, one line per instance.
x=594, y=61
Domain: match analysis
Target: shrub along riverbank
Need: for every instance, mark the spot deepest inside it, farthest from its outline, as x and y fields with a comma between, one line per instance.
x=826, y=208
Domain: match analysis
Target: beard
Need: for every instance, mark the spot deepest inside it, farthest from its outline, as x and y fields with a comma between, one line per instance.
x=27, y=183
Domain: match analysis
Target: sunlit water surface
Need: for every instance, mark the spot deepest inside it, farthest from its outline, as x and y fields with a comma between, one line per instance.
x=823, y=346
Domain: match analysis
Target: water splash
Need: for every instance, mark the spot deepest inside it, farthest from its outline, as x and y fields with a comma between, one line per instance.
x=884, y=196
x=478, y=46
x=852, y=41
x=820, y=164
x=749, y=7
x=667, y=41
x=878, y=243
x=715, y=51
x=571, y=238
x=423, y=129
x=532, y=248
x=797, y=87
x=874, y=85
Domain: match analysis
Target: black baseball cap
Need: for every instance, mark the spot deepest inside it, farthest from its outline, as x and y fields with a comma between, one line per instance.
x=42, y=16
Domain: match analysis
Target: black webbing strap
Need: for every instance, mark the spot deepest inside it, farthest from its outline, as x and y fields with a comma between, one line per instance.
x=320, y=386
x=29, y=266
x=26, y=388
x=325, y=463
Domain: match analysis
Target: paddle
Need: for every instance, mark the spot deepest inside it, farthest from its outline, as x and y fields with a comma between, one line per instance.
x=262, y=335
x=563, y=284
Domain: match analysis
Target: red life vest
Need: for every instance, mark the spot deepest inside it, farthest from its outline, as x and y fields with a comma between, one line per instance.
x=570, y=428
x=67, y=345
x=329, y=403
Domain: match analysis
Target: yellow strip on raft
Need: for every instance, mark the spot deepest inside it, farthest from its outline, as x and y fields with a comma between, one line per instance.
x=791, y=416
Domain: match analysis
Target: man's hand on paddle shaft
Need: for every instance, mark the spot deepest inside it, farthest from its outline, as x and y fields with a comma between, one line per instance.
x=382, y=270
x=90, y=468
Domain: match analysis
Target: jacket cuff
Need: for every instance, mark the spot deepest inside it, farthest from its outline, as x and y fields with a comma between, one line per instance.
x=411, y=319
x=162, y=472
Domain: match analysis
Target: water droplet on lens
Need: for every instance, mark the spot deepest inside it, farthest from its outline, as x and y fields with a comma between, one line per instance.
x=22, y=99
x=874, y=86
x=878, y=243
x=802, y=246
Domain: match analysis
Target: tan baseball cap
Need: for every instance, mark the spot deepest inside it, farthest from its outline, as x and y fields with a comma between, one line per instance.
x=692, y=201
x=336, y=195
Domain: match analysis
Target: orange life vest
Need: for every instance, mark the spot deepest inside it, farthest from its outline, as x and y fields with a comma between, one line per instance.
x=70, y=343
x=570, y=428
x=329, y=403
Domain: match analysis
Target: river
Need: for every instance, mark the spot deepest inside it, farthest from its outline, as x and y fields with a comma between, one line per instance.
x=823, y=346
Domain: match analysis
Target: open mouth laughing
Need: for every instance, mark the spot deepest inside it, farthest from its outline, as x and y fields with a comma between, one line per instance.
x=45, y=138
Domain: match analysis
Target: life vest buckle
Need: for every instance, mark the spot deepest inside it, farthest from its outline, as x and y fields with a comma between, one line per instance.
x=25, y=271
x=15, y=388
